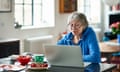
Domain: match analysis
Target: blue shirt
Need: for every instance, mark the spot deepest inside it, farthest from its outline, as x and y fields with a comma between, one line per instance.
x=88, y=43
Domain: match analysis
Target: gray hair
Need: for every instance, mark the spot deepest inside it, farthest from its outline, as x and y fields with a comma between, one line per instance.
x=78, y=16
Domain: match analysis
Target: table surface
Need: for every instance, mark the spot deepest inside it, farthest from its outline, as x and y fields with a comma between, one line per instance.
x=108, y=47
x=93, y=67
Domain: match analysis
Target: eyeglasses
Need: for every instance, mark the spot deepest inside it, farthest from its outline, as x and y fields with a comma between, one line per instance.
x=74, y=25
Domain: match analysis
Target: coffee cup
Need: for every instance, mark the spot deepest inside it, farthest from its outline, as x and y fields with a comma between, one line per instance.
x=39, y=58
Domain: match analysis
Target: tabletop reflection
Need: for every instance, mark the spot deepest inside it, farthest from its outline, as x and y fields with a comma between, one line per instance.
x=93, y=67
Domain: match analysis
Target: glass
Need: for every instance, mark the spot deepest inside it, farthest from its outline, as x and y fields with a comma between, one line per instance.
x=18, y=1
x=19, y=14
x=28, y=15
x=37, y=14
x=37, y=1
x=28, y=1
x=77, y=26
x=118, y=38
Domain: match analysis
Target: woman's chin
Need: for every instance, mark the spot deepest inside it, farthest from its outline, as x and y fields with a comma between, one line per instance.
x=75, y=33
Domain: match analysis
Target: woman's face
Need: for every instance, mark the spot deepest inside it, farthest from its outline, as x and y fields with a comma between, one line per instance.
x=76, y=27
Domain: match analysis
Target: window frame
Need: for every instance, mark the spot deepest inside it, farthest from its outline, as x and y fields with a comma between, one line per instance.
x=43, y=22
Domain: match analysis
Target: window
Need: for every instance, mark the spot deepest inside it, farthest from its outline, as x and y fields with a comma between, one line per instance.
x=35, y=13
x=92, y=9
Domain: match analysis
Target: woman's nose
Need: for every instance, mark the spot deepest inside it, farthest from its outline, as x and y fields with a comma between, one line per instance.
x=74, y=27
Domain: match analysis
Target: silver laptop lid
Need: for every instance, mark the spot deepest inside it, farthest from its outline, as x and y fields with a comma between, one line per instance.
x=62, y=55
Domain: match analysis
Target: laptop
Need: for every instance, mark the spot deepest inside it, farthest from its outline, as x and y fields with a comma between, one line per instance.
x=64, y=55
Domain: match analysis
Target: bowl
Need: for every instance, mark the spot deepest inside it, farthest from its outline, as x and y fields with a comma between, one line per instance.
x=24, y=60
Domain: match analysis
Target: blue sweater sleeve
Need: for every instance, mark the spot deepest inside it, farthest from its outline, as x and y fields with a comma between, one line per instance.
x=61, y=42
x=64, y=40
x=94, y=51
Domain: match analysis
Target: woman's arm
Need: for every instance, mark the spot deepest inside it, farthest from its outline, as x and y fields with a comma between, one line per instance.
x=94, y=51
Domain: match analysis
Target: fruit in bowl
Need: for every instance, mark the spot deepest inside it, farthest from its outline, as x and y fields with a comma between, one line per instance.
x=36, y=65
x=24, y=60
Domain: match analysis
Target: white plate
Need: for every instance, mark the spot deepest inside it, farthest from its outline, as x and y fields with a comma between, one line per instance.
x=10, y=67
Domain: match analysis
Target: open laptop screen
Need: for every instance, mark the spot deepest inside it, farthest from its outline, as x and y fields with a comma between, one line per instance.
x=62, y=55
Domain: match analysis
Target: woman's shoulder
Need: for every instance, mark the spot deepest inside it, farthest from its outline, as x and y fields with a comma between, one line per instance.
x=90, y=31
x=90, y=28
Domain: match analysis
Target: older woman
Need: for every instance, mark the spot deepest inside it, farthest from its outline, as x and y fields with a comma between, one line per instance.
x=84, y=36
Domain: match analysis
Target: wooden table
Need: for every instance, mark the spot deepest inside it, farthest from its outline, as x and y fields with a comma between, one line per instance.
x=107, y=50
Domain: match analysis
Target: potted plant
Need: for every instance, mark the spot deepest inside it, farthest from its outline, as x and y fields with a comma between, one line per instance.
x=115, y=27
